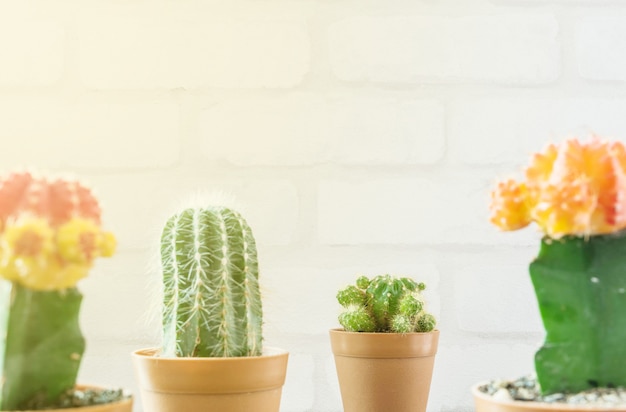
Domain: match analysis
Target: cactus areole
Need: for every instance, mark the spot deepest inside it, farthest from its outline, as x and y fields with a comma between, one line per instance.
x=49, y=237
x=576, y=193
x=384, y=304
x=212, y=303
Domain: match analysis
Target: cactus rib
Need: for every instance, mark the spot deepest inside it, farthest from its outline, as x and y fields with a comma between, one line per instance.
x=212, y=306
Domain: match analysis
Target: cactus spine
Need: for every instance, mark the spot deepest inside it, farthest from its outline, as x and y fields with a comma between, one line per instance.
x=49, y=237
x=384, y=304
x=212, y=303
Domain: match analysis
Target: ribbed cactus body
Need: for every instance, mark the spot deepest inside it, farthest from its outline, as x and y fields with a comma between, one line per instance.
x=212, y=303
x=384, y=304
x=43, y=347
x=581, y=290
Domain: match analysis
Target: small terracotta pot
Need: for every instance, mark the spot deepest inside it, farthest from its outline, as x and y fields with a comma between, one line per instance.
x=121, y=406
x=382, y=372
x=239, y=384
x=486, y=403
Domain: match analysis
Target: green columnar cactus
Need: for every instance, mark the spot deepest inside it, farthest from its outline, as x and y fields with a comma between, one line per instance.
x=384, y=304
x=212, y=303
x=581, y=290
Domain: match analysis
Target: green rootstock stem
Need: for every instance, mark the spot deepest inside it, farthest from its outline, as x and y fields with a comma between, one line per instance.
x=44, y=347
x=581, y=290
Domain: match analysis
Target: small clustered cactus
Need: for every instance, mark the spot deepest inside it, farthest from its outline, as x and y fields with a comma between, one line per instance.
x=384, y=304
x=212, y=303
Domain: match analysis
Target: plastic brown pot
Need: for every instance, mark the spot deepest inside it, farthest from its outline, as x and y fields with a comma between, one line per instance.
x=382, y=372
x=241, y=384
x=486, y=403
x=125, y=405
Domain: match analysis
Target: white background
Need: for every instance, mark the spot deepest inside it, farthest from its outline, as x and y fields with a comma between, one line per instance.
x=359, y=136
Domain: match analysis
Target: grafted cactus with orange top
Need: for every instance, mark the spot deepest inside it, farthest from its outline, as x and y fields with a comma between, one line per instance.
x=49, y=231
x=570, y=189
x=50, y=235
x=576, y=193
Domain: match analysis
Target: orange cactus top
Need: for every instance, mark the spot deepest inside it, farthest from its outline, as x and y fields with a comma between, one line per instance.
x=570, y=189
x=49, y=231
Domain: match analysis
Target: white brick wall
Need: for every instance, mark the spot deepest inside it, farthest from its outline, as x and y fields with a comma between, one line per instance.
x=76, y=134
x=503, y=134
x=358, y=136
x=507, y=49
x=142, y=53
x=304, y=129
x=31, y=52
x=601, y=55
x=148, y=199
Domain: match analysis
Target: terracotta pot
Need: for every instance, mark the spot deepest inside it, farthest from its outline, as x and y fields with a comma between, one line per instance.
x=240, y=384
x=486, y=403
x=121, y=406
x=382, y=372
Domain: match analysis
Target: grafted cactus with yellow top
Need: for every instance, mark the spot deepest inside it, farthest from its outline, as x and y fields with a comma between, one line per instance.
x=576, y=193
x=50, y=234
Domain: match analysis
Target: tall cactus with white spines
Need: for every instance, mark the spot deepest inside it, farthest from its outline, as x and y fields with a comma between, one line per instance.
x=212, y=303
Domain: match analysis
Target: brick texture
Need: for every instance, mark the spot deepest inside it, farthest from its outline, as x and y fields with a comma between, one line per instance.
x=506, y=131
x=148, y=199
x=31, y=53
x=66, y=135
x=305, y=129
x=495, y=298
x=409, y=211
x=142, y=54
x=506, y=49
x=601, y=55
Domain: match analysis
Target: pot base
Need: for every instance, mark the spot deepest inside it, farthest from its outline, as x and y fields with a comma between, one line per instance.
x=487, y=403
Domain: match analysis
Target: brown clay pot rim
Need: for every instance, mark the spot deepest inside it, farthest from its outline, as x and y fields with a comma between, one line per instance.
x=268, y=352
x=217, y=375
x=383, y=333
x=384, y=345
x=91, y=408
x=541, y=406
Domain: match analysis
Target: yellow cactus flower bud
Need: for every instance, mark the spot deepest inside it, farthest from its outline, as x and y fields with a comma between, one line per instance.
x=108, y=244
x=29, y=237
x=71, y=274
x=77, y=240
x=508, y=206
x=53, y=276
x=8, y=268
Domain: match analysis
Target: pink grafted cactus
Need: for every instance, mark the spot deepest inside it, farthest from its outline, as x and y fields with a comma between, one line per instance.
x=55, y=200
x=50, y=231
